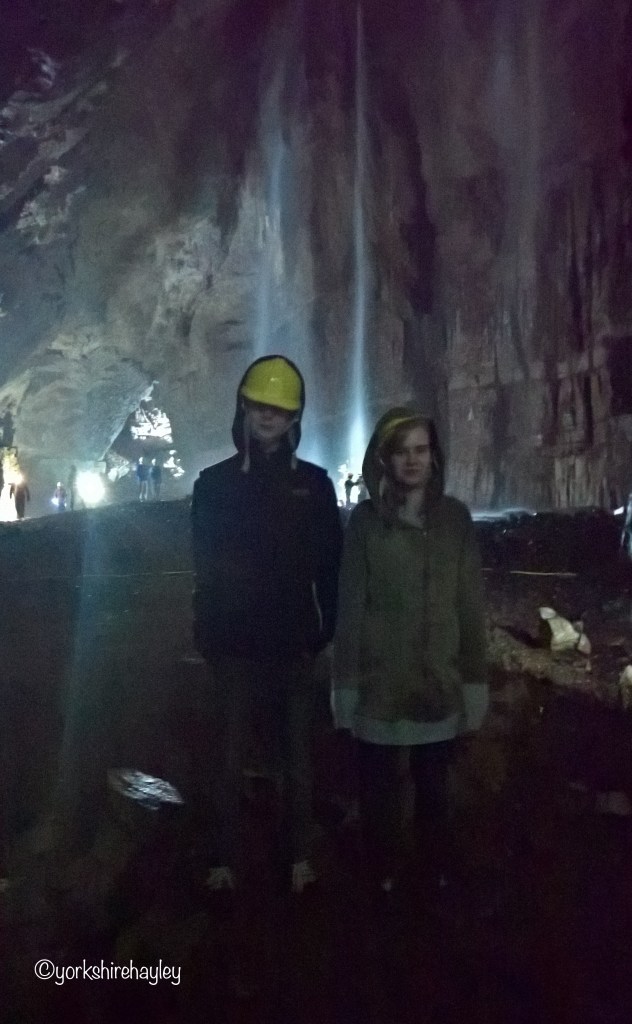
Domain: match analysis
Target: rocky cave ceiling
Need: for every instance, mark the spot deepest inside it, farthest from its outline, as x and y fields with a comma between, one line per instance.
x=185, y=184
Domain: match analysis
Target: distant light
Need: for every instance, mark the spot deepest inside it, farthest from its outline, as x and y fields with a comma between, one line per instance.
x=7, y=506
x=358, y=439
x=502, y=513
x=12, y=475
x=90, y=487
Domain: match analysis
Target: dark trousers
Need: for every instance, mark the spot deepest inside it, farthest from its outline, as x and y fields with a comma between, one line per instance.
x=383, y=773
x=277, y=699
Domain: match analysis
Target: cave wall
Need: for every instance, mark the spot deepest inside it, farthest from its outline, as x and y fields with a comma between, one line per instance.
x=177, y=196
x=524, y=118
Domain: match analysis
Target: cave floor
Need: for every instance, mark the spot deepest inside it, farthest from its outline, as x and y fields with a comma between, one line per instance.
x=99, y=674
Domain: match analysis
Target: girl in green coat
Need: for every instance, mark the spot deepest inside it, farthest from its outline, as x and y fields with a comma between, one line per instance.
x=409, y=652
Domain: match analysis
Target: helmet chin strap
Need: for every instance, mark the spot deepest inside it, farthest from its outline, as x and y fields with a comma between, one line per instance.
x=292, y=441
x=245, y=466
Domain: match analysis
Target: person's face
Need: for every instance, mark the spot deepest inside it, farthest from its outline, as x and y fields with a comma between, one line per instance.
x=411, y=460
x=268, y=423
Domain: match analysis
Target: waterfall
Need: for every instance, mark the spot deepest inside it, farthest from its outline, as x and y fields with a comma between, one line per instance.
x=283, y=325
x=275, y=157
x=358, y=437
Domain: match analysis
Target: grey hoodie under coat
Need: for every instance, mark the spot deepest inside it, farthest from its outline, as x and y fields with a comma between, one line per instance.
x=411, y=630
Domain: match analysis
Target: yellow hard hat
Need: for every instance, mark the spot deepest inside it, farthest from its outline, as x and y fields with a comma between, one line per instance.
x=273, y=381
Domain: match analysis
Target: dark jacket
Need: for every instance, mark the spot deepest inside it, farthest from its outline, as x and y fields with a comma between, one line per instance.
x=266, y=548
x=411, y=631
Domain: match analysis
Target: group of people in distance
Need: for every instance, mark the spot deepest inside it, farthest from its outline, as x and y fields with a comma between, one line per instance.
x=149, y=479
x=400, y=597
x=349, y=485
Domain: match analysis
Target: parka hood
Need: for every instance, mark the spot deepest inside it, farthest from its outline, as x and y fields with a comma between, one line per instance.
x=372, y=467
x=238, y=420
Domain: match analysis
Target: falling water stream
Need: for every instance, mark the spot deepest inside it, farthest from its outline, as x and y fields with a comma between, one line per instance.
x=279, y=327
x=357, y=431
x=276, y=160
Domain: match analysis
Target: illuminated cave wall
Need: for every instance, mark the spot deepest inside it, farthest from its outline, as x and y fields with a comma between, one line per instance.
x=177, y=189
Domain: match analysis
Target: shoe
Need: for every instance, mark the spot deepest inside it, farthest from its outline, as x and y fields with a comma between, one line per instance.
x=303, y=875
x=220, y=879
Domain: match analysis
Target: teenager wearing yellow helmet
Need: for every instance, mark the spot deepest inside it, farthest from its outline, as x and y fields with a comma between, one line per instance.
x=266, y=542
x=274, y=381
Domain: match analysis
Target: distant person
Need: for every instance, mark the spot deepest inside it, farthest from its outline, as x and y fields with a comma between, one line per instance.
x=349, y=485
x=363, y=493
x=72, y=487
x=142, y=476
x=155, y=479
x=266, y=549
x=409, y=652
x=60, y=497
x=21, y=494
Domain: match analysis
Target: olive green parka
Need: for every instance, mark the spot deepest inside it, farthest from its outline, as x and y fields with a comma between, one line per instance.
x=411, y=629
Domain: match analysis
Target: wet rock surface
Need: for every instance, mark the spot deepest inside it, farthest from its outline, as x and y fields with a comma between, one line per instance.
x=99, y=676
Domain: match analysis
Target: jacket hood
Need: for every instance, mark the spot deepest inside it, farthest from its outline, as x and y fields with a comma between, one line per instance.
x=238, y=420
x=372, y=467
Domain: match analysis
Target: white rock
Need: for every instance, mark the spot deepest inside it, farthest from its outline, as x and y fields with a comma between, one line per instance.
x=563, y=636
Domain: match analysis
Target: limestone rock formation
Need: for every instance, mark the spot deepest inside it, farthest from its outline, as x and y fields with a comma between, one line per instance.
x=185, y=184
